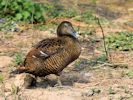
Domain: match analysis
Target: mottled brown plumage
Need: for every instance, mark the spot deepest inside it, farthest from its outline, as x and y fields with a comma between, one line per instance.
x=51, y=56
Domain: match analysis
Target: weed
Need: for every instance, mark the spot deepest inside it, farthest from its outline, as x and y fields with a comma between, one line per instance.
x=89, y=32
x=68, y=13
x=2, y=87
x=94, y=1
x=88, y=17
x=78, y=18
x=102, y=58
x=8, y=35
x=112, y=91
x=1, y=78
x=130, y=74
x=124, y=98
x=53, y=10
x=40, y=27
x=25, y=10
x=96, y=90
x=91, y=92
x=14, y=90
x=57, y=10
x=18, y=59
x=121, y=41
x=105, y=21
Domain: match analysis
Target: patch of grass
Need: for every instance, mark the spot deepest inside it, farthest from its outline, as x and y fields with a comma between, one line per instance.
x=57, y=10
x=7, y=25
x=81, y=64
x=112, y=91
x=130, y=74
x=68, y=13
x=1, y=78
x=18, y=59
x=102, y=58
x=88, y=32
x=8, y=35
x=91, y=92
x=121, y=41
x=96, y=90
x=105, y=21
x=88, y=17
x=94, y=1
x=2, y=87
x=40, y=27
x=53, y=10
x=14, y=89
x=25, y=10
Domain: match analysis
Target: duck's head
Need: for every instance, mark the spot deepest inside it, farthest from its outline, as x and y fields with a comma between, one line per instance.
x=66, y=29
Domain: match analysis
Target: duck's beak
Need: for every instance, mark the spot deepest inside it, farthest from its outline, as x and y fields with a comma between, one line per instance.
x=75, y=34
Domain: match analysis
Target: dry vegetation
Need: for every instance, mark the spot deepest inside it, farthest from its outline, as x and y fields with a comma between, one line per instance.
x=92, y=76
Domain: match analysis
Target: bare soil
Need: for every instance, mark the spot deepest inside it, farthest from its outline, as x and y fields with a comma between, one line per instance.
x=83, y=79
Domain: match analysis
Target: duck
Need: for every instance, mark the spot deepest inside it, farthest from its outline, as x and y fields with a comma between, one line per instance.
x=52, y=55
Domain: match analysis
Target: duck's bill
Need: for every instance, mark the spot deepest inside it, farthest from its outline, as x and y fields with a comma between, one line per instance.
x=75, y=34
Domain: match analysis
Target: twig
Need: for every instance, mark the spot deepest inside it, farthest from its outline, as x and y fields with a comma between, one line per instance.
x=103, y=37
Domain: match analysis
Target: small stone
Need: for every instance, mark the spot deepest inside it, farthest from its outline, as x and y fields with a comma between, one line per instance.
x=7, y=93
x=88, y=93
x=24, y=80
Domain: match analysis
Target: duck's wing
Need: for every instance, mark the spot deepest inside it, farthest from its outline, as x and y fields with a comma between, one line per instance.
x=48, y=47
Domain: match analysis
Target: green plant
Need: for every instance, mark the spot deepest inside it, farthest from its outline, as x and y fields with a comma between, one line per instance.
x=88, y=32
x=94, y=1
x=105, y=21
x=18, y=59
x=112, y=91
x=53, y=10
x=40, y=27
x=121, y=41
x=2, y=87
x=14, y=89
x=96, y=90
x=25, y=10
x=1, y=78
x=130, y=74
x=88, y=17
x=8, y=35
x=68, y=13
x=102, y=58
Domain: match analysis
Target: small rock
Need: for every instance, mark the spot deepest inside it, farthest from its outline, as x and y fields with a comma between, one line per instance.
x=91, y=92
x=51, y=77
x=7, y=93
x=24, y=80
x=84, y=77
x=88, y=93
x=2, y=20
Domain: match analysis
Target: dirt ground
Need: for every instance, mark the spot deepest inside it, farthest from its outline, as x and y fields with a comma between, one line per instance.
x=84, y=79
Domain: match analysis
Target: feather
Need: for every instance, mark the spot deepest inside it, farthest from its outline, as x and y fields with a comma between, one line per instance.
x=52, y=55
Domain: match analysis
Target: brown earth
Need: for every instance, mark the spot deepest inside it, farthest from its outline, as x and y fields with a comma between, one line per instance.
x=83, y=79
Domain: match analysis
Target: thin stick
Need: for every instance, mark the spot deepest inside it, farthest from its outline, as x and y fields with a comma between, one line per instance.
x=103, y=37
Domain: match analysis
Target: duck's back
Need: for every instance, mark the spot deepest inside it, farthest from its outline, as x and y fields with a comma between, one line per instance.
x=51, y=56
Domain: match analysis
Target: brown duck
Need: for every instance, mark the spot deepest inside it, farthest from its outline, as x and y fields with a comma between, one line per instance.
x=51, y=56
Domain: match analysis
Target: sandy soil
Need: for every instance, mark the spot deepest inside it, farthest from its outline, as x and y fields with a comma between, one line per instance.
x=83, y=79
